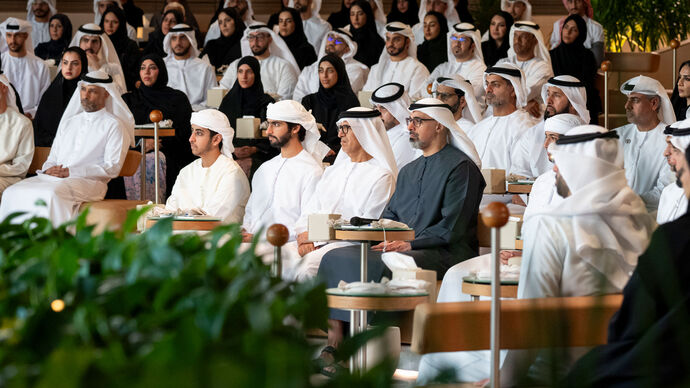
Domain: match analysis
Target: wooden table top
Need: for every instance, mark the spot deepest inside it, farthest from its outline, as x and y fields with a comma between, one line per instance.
x=374, y=235
x=384, y=302
x=507, y=291
x=515, y=188
x=148, y=132
x=203, y=225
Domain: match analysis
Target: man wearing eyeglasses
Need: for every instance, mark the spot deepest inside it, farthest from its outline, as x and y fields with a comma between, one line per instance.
x=398, y=63
x=279, y=70
x=337, y=42
x=459, y=95
x=437, y=195
x=464, y=57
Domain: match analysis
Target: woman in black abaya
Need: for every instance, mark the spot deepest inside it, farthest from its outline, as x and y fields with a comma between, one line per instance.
x=60, y=28
x=224, y=50
x=334, y=96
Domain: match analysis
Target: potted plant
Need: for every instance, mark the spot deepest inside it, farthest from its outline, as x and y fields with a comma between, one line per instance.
x=148, y=310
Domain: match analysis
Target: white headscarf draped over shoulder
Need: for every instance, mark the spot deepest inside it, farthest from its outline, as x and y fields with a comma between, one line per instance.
x=368, y=128
x=441, y=112
x=114, y=104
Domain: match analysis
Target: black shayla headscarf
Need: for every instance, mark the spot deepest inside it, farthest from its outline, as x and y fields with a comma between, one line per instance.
x=680, y=104
x=250, y=101
x=297, y=42
x=55, y=100
x=492, y=52
x=53, y=49
x=175, y=106
x=325, y=104
x=341, y=18
x=576, y=60
x=369, y=42
x=410, y=16
x=225, y=49
x=435, y=51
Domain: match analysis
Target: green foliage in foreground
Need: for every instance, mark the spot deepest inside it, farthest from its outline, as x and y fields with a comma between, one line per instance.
x=152, y=310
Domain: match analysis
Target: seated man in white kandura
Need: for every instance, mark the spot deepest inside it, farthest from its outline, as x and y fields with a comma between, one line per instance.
x=17, y=138
x=89, y=150
x=284, y=185
x=673, y=204
x=358, y=184
x=214, y=184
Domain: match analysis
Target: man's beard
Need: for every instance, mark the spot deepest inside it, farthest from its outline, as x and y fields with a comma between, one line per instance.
x=454, y=108
x=393, y=52
x=561, y=187
x=678, y=175
x=40, y=13
x=547, y=114
x=279, y=142
x=183, y=53
x=416, y=143
x=259, y=52
x=89, y=106
x=15, y=48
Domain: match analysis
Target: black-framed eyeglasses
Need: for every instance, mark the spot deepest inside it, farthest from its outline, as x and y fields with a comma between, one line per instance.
x=344, y=129
x=416, y=121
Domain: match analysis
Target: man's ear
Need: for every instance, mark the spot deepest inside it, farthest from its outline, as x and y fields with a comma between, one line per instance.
x=217, y=138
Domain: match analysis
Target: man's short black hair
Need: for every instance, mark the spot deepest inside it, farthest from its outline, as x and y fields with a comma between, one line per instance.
x=302, y=131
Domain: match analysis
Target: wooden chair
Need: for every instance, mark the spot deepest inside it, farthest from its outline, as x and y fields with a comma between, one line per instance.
x=525, y=323
x=112, y=213
x=109, y=213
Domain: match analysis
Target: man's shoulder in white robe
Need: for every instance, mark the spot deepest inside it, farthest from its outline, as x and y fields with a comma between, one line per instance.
x=286, y=193
x=495, y=136
x=221, y=190
x=16, y=147
x=192, y=76
x=672, y=204
x=29, y=75
x=646, y=168
x=315, y=29
x=408, y=72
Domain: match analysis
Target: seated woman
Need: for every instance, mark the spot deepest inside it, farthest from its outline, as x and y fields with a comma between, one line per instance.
x=681, y=92
x=171, y=18
x=363, y=29
x=60, y=29
x=291, y=30
x=73, y=65
x=153, y=93
x=571, y=57
x=434, y=50
x=247, y=98
x=114, y=24
x=334, y=96
x=224, y=50
x=497, y=44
